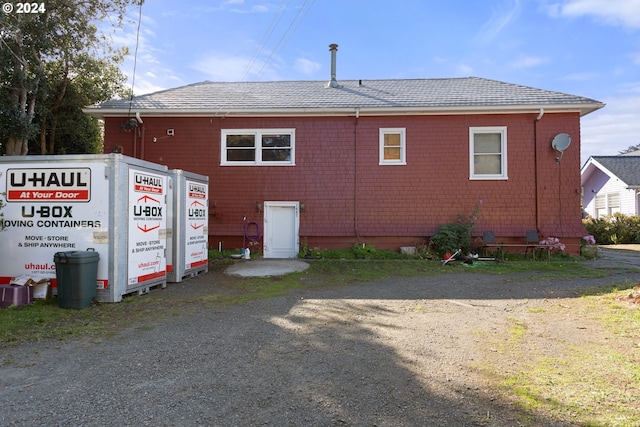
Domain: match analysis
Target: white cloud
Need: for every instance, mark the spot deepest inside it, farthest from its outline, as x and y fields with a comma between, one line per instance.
x=151, y=73
x=306, y=66
x=528, y=62
x=580, y=77
x=238, y=6
x=613, y=128
x=464, y=70
x=218, y=66
x=144, y=86
x=499, y=20
x=619, y=12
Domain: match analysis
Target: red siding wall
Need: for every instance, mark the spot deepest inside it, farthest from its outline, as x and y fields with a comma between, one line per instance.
x=348, y=197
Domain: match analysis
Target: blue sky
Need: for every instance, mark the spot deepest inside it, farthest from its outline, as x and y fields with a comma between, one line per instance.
x=582, y=47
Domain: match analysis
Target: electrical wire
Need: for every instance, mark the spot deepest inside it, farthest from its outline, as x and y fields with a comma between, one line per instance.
x=135, y=59
x=299, y=22
x=276, y=48
x=268, y=33
x=282, y=38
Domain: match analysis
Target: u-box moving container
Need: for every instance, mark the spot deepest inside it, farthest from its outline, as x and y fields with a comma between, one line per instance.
x=113, y=204
x=188, y=222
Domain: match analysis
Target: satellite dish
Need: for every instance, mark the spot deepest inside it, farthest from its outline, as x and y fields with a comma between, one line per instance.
x=129, y=125
x=561, y=142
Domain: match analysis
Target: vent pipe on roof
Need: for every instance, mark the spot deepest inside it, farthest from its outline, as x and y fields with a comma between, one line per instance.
x=333, y=48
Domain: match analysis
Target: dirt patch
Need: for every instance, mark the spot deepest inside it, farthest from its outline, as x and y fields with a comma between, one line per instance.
x=632, y=298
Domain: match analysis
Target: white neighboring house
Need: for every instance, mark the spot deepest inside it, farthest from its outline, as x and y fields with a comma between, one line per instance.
x=611, y=184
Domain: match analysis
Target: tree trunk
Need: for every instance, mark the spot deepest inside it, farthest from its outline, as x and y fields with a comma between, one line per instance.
x=43, y=134
x=25, y=92
x=52, y=134
x=55, y=110
x=17, y=146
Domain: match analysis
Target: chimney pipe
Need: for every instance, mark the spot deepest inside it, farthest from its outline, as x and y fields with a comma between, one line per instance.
x=333, y=48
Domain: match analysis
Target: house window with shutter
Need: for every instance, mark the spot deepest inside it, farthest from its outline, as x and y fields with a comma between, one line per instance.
x=488, y=153
x=262, y=147
x=392, y=146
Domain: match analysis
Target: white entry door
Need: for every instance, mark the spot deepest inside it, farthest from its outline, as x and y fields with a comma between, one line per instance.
x=281, y=225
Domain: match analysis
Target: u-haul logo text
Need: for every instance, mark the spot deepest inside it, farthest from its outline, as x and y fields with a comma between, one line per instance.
x=197, y=191
x=49, y=185
x=147, y=183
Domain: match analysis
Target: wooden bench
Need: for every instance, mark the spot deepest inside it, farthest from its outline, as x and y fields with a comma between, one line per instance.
x=534, y=247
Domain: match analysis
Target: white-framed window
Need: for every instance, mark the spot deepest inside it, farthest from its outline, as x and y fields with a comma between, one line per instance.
x=255, y=147
x=393, y=146
x=607, y=204
x=488, y=152
x=601, y=205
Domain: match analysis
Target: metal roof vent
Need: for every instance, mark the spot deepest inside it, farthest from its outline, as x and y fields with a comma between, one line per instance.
x=333, y=48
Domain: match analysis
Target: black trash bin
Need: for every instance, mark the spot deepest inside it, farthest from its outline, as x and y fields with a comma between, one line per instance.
x=77, y=276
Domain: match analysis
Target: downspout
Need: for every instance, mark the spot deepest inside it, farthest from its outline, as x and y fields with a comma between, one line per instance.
x=135, y=143
x=355, y=177
x=535, y=161
x=139, y=119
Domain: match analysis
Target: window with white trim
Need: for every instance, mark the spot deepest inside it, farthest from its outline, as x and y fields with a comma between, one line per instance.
x=607, y=204
x=613, y=203
x=251, y=147
x=488, y=152
x=393, y=146
x=601, y=205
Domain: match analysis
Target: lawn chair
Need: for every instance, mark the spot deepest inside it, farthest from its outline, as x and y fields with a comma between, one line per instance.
x=533, y=241
x=489, y=238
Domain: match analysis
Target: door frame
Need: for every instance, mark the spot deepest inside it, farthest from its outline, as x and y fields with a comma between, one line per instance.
x=267, y=229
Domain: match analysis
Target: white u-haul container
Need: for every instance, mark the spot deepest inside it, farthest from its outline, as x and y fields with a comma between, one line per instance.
x=188, y=222
x=111, y=203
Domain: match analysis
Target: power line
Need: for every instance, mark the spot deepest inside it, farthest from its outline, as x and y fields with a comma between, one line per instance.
x=135, y=59
x=299, y=22
x=280, y=43
x=269, y=31
x=276, y=49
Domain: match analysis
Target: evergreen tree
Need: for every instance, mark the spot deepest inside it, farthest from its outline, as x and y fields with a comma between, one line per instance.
x=45, y=53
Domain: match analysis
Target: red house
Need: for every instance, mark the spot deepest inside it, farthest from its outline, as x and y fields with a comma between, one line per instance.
x=383, y=162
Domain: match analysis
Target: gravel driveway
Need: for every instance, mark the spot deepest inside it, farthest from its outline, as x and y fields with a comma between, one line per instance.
x=394, y=352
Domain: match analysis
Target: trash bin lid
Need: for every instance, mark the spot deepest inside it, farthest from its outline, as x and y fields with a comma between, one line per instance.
x=76, y=257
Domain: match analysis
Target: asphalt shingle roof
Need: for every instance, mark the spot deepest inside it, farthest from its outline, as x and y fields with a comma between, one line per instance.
x=448, y=93
x=627, y=168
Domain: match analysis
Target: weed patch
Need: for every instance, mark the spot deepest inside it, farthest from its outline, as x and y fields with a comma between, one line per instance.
x=591, y=381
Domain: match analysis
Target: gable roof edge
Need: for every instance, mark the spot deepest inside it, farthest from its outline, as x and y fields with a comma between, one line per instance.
x=582, y=109
x=625, y=169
